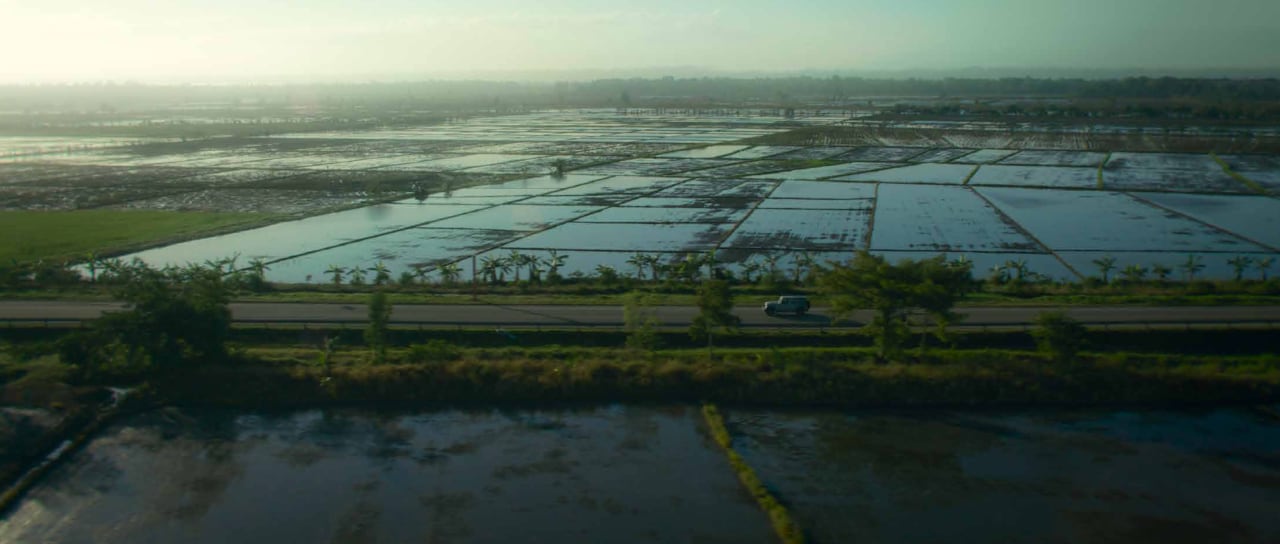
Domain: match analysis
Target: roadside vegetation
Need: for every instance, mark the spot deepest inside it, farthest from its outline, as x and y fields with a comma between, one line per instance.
x=522, y=278
x=176, y=335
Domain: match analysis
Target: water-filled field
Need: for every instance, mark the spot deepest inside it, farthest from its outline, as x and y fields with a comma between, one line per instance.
x=652, y=474
x=644, y=182
x=1043, y=477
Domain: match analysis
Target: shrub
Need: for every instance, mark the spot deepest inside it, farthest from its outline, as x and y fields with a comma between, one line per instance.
x=1059, y=335
x=433, y=351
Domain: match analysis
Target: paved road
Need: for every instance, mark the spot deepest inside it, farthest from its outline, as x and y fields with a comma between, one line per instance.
x=611, y=316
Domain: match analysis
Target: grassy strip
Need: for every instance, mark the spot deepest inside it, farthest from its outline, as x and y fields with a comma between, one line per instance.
x=786, y=528
x=1100, y=165
x=70, y=235
x=971, y=174
x=1226, y=168
x=294, y=377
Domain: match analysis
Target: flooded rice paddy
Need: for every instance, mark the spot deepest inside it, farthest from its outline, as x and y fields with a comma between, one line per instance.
x=651, y=474
x=641, y=181
x=1159, y=477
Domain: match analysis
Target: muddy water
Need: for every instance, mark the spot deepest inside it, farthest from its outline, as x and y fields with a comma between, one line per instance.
x=621, y=474
x=1160, y=477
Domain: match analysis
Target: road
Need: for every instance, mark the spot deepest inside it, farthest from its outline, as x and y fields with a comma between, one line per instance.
x=488, y=315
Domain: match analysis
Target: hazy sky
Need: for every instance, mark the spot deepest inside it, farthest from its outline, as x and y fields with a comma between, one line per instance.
x=62, y=40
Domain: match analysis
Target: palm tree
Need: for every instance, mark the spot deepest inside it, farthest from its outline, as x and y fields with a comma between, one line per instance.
x=639, y=260
x=1019, y=267
x=221, y=266
x=998, y=274
x=91, y=260
x=1263, y=265
x=750, y=268
x=449, y=272
x=1134, y=273
x=503, y=267
x=535, y=268
x=803, y=262
x=489, y=268
x=259, y=269
x=656, y=267
x=554, y=261
x=1192, y=266
x=688, y=268
x=1239, y=264
x=516, y=259
x=357, y=275
x=381, y=275
x=1105, y=265
x=1161, y=271
x=771, y=265
x=709, y=259
x=335, y=272
x=422, y=272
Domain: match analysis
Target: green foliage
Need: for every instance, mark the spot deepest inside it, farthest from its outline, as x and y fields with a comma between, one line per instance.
x=892, y=291
x=1239, y=264
x=336, y=273
x=607, y=275
x=835, y=377
x=434, y=351
x=1059, y=335
x=1105, y=266
x=38, y=381
x=69, y=236
x=639, y=322
x=715, y=311
x=174, y=316
x=375, y=333
x=1192, y=266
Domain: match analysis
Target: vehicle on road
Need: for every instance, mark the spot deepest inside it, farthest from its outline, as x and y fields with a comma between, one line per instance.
x=787, y=304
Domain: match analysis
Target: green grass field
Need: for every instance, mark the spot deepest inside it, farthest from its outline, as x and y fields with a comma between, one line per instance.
x=70, y=235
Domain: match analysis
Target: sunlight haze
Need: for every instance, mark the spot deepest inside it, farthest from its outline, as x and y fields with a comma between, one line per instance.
x=91, y=40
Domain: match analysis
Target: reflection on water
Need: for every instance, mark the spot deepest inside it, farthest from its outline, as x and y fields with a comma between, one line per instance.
x=650, y=474
x=619, y=474
x=1047, y=477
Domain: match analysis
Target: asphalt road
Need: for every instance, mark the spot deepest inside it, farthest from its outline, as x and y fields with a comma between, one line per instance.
x=672, y=316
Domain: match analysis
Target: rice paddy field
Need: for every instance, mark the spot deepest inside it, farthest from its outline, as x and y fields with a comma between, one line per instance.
x=599, y=186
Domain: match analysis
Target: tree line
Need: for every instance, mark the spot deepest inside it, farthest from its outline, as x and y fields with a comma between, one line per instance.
x=620, y=91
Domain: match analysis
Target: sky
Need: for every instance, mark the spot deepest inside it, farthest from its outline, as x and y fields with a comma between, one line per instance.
x=265, y=40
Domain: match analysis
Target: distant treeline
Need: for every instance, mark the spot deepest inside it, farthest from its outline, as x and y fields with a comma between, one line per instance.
x=838, y=88
x=834, y=90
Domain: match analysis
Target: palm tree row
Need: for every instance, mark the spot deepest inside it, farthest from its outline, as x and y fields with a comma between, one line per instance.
x=1190, y=267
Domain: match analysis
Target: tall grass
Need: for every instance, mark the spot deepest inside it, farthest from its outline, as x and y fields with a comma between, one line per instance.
x=786, y=528
x=773, y=377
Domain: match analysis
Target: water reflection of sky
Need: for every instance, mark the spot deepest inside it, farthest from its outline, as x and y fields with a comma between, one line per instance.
x=614, y=474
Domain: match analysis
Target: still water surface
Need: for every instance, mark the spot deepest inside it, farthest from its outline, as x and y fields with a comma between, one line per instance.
x=650, y=474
